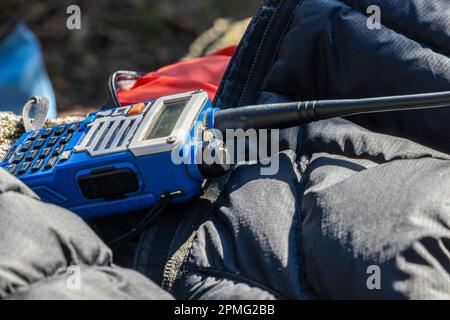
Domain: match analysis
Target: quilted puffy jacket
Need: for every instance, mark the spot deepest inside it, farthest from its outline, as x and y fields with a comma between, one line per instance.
x=354, y=198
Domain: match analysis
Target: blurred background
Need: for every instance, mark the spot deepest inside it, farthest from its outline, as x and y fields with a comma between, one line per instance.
x=140, y=35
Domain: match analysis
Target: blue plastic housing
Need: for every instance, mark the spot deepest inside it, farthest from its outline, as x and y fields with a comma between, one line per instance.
x=156, y=173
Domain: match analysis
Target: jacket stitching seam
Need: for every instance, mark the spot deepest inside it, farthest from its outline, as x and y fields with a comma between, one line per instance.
x=260, y=48
x=233, y=276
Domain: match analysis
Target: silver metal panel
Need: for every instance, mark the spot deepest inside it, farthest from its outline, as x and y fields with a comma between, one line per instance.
x=100, y=134
x=109, y=134
x=139, y=146
x=93, y=129
x=120, y=133
x=101, y=131
x=128, y=132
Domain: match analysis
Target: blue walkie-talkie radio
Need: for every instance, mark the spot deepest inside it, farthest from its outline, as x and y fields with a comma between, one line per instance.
x=121, y=159
x=117, y=159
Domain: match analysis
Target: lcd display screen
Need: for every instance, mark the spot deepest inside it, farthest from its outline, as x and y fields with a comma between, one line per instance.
x=167, y=119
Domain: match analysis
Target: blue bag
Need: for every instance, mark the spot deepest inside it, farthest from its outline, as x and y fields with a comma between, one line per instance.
x=22, y=72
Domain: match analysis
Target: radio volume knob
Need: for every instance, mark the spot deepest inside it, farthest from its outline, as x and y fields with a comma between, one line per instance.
x=214, y=159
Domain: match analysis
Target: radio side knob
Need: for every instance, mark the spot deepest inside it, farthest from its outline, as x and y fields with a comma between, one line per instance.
x=213, y=159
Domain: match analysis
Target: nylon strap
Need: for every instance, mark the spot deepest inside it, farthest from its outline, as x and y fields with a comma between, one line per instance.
x=41, y=105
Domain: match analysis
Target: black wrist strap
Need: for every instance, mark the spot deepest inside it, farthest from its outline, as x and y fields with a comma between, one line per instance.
x=148, y=218
x=117, y=80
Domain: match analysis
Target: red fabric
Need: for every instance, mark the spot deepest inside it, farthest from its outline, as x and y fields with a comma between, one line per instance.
x=200, y=73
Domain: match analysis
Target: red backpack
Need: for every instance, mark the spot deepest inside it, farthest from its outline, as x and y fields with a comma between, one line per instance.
x=205, y=73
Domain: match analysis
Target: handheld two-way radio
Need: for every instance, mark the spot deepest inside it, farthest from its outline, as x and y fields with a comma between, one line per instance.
x=121, y=159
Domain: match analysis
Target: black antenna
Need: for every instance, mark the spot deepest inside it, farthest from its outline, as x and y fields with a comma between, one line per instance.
x=286, y=115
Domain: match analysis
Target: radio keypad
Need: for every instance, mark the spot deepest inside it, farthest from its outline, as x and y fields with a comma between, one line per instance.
x=65, y=156
x=74, y=127
x=45, y=152
x=18, y=157
x=136, y=109
x=37, y=147
x=120, y=111
x=9, y=154
x=39, y=144
x=26, y=146
x=31, y=155
x=66, y=139
x=33, y=136
x=52, y=141
x=59, y=130
x=11, y=168
x=104, y=113
x=58, y=150
x=24, y=168
x=51, y=163
x=37, y=165
x=47, y=132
